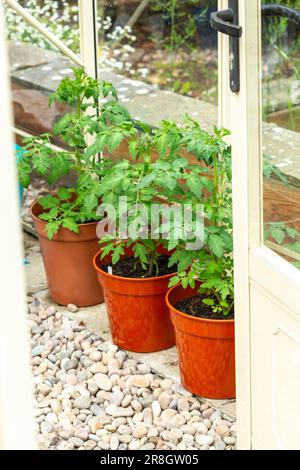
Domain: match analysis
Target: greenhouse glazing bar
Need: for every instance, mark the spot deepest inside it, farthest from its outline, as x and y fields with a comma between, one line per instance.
x=45, y=32
x=89, y=36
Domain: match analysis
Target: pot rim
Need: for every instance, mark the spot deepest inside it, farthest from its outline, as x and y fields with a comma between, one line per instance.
x=45, y=222
x=131, y=279
x=196, y=319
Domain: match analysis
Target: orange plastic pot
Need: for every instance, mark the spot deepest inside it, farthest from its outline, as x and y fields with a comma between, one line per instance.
x=68, y=263
x=206, y=350
x=137, y=313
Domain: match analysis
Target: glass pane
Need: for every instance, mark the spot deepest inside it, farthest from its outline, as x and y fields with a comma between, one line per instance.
x=281, y=134
x=36, y=65
x=167, y=44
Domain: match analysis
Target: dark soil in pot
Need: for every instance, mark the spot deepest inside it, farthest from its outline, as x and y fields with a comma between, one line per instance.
x=138, y=315
x=194, y=307
x=206, y=347
x=130, y=267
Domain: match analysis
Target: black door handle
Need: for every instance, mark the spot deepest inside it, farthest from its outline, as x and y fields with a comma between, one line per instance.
x=222, y=21
x=226, y=22
x=280, y=10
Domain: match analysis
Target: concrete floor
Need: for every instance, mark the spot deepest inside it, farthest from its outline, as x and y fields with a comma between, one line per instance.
x=95, y=318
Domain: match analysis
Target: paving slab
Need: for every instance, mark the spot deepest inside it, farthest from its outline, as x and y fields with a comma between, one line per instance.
x=39, y=70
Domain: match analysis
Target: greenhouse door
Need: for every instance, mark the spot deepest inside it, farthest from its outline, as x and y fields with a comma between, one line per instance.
x=266, y=177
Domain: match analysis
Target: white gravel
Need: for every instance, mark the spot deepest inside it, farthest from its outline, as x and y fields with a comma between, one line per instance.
x=91, y=395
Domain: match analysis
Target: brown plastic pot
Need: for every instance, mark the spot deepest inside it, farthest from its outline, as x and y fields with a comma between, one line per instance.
x=137, y=313
x=68, y=263
x=206, y=350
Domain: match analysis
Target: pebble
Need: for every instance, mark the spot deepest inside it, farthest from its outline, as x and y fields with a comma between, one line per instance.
x=207, y=413
x=103, y=382
x=123, y=429
x=166, y=384
x=37, y=351
x=167, y=415
x=70, y=364
x=222, y=430
x=164, y=400
x=90, y=445
x=46, y=427
x=72, y=308
x=220, y=445
x=148, y=416
x=139, y=381
x=216, y=415
x=117, y=411
x=139, y=431
x=183, y=405
x=76, y=441
x=200, y=428
x=229, y=440
x=95, y=356
x=204, y=440
x=98, y=368
x=126, y=401
x=148, y=446
x=156, y=409
x=104, y=445
x=89, y=395
x=114, y=442
x=134, y=445
x=82, y=403
x=116, y=398
x=96, y=410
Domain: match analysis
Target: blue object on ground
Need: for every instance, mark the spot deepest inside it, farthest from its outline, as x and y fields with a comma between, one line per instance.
x=19, y=154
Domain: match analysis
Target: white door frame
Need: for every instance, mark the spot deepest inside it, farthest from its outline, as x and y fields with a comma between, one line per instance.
x=235, y=108
x=16, y=414
x=255, y=264
x=16, y=397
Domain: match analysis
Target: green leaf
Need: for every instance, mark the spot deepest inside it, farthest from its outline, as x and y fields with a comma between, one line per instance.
x=278, y=234
x=40, y=162
x=52, y=214
x=195, y=185
x=209, y=302
x=52, y=228
x=133, y=148
x=107, y=248
x=185, y=261
x=174, y=281
x=24, y=172
x=169, y=181
x=162, y=144
x=71, y=225
x=292, y=232
x=140, y=251
x=146, y=180
x=47, y=202
x=215, y=243
x=118, y=252
x=90, y=201
x=172, y=245
x=64, y=193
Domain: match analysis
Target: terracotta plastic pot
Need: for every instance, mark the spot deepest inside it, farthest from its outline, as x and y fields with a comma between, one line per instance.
x=137, y=313
x=68, y=263
x=205, y=349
